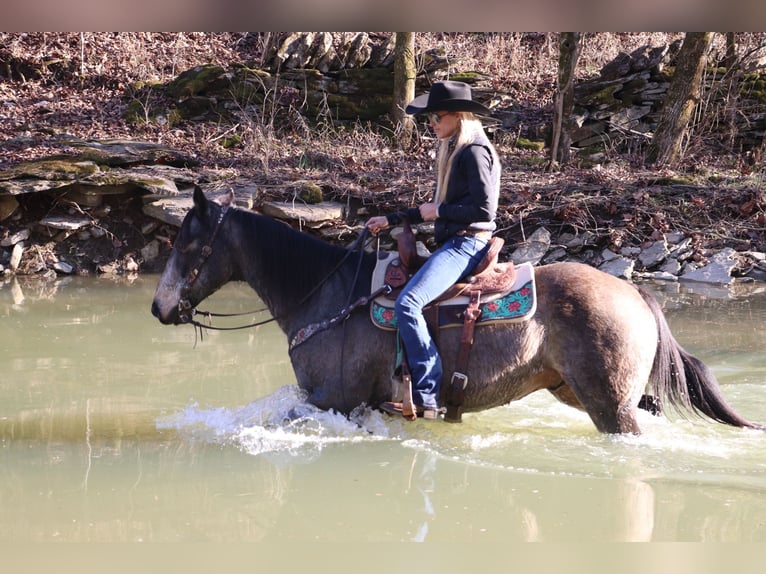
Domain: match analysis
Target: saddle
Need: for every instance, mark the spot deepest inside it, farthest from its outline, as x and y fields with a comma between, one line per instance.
x=491, y=292
x=488, y=277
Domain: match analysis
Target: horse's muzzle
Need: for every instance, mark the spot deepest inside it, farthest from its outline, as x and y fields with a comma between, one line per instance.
x=171, y=318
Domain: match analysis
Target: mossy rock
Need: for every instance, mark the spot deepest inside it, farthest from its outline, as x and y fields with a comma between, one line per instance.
x=753, y=86
x=469, y=77
x=605, y=95
x=135, y=113
x=230, y=142
x=51, y=169
x=524, y=143
x=310, y=193
x=197, y=80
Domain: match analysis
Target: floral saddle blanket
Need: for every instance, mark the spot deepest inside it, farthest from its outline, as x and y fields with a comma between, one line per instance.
x=517, y=301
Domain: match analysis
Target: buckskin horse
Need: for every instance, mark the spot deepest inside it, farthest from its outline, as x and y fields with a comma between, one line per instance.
x=596, y=342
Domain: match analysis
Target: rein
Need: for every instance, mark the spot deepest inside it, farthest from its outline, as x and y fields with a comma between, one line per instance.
x=187, y=312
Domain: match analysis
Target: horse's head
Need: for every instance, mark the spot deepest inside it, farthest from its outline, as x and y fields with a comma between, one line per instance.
x=199, y=264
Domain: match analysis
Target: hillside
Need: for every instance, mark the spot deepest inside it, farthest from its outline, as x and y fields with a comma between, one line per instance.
x=56, y=85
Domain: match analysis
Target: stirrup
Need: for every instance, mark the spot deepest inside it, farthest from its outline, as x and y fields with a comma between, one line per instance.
x=395, y=409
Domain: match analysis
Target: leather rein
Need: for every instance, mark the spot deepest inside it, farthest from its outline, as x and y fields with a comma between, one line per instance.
x=187, y=312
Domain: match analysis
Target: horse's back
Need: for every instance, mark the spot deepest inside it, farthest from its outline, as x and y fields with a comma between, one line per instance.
x=578, y=290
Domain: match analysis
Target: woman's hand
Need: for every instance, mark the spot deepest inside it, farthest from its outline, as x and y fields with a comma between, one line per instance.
x=376, y=224
x=429, y=211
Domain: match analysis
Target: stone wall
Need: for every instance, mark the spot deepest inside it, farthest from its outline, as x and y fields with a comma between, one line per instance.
x=624, y=101
x=337, y=76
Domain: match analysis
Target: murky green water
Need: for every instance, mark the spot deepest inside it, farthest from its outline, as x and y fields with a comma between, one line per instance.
x=116, y=428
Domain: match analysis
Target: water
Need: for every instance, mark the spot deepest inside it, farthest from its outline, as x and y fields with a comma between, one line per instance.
x=115, y=428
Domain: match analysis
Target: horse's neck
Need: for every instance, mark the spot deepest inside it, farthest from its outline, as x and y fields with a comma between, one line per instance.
x=287, y=268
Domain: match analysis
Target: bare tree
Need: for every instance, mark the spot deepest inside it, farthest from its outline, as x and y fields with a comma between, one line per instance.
x=569, y=53
x=404, y=85
x=682, y=97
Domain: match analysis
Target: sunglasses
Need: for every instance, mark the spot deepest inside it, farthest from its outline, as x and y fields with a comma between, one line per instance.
x=435, y=118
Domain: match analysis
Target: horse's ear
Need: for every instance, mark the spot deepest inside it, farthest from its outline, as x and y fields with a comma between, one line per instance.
x=200, y=202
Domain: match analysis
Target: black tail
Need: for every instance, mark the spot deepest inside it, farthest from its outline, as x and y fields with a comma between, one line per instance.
x=685, y=382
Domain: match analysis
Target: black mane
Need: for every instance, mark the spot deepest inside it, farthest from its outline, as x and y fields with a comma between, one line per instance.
x=289, y=260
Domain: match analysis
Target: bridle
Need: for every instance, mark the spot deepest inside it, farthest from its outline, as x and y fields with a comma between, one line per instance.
x=186, y=311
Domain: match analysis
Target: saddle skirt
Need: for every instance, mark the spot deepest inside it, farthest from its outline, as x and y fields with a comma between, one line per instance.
x=516, y=301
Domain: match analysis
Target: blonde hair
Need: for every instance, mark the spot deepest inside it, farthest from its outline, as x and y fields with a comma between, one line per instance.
x=468, y=129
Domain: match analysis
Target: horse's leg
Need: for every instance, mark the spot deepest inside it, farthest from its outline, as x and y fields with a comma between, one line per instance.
x=624, y=422
x=345, y=367
x=564, y=393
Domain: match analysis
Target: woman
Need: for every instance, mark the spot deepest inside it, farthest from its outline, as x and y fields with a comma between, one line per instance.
x=463, y=209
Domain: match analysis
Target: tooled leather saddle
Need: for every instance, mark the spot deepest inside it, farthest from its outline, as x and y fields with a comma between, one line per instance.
x=489, y=276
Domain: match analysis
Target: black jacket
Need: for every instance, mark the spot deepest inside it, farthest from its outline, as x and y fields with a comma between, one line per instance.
x=472, y=194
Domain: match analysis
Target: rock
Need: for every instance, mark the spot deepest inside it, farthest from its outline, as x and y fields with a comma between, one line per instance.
x=674, y=237
x=681, y=250
x=671, y=266
x=99, y=168
x=65, y=223
x=63, y=268
x=149, y=227
x=654, y=254
x=534, y=249
x=18, y=251
x=126, y=153
x=625, y=101
x=620, y=267
x=659, y=275
x=170, y=210
x=310, y=193
x=150, y=251
x=11, y=240
x=309, y=214
x=756, y=274
x=8, y=205
x=65, y=170
x=555, y=254
x=577, y=242
x=718, y=270
x=608, y=255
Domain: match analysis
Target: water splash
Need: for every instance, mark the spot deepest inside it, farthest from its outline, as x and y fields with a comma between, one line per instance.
x=280, y=423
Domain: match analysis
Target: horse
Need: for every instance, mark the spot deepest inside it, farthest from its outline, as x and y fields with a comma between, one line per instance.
x=596, y=342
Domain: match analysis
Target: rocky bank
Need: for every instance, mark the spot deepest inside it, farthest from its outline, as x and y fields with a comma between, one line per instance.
x=113, y=207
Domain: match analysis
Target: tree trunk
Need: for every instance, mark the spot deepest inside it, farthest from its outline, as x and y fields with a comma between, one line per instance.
x=404, y=86
x=682, y=97
x=569, y=52
x=730, y=58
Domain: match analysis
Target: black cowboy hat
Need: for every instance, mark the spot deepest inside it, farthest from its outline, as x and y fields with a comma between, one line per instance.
x=446, y=96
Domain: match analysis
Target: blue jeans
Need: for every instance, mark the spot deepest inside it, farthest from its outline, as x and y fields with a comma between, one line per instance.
x=454, y=259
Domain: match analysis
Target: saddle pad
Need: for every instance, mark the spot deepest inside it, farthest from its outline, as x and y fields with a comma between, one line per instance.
x=517, y=304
